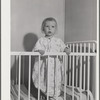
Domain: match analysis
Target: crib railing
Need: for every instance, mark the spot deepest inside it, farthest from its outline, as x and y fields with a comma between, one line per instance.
x=77, y=67
x=89, y=46
x=83, y=46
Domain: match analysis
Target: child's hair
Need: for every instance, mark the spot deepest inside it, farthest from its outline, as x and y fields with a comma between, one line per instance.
x=45, y=20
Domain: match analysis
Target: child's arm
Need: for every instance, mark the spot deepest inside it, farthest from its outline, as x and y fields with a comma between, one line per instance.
x=67, y=50
x=39, y=47
x=40, y=51
x=64, y=48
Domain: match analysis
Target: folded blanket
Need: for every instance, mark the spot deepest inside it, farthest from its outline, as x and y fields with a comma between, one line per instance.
x=78, y=93
x=23, y=93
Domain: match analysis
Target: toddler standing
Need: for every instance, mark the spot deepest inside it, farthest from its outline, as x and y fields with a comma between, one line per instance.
x=49, y=43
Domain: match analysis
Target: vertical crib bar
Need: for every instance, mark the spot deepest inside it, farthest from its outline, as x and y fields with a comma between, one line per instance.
x=39, y=79
x=73, y=52
x=84, y=66
x=29, y=77
x=80, y=71
x=80, y=47
x=19, y=77
x=65, y=80
x=77, y=47
x=63, y=64
x=88, y=78
x=23, y=69
x=70, y=47
x=48, y=79
x=77, y=65
x=73, y=47
x=16, y=67
x=94, y=47
x=80, y=77
x=66, y=64
x=70, y=67
x=73, y=79
x=88, y=47
x=57, y=78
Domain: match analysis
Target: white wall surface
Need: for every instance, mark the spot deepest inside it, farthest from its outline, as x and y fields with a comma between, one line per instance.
x=27, y=16
x=80, y=20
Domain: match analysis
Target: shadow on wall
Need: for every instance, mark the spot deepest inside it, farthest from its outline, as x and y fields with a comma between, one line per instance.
x=29, y=42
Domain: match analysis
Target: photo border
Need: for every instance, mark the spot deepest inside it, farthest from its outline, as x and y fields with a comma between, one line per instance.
x=6, y=48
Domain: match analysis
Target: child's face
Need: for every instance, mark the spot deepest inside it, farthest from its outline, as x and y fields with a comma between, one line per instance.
x=50, y=28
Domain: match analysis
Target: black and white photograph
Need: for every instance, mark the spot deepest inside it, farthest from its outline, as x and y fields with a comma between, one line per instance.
x=53, y=50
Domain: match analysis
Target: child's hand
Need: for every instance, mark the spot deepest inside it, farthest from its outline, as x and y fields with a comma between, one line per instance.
x=67, y=50
x=41, y=52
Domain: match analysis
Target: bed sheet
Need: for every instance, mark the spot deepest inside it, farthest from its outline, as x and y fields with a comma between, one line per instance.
x=24, y=93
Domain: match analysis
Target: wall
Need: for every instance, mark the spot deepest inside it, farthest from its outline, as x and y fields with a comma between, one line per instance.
x=80, y=24
x=26, y=19
x=80, y=20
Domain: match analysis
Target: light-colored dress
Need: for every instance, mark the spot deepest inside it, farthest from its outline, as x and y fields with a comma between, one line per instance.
x=49, y=45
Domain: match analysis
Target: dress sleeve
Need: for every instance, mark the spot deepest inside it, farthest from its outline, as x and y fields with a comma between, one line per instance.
x=38, y=45
x=63, y=46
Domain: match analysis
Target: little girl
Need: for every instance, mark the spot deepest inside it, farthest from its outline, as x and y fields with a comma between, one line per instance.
x=49, y=43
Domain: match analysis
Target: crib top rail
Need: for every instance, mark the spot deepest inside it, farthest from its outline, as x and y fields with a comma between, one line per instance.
x=75, y=42
x=53, y=54
x=37, y=54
